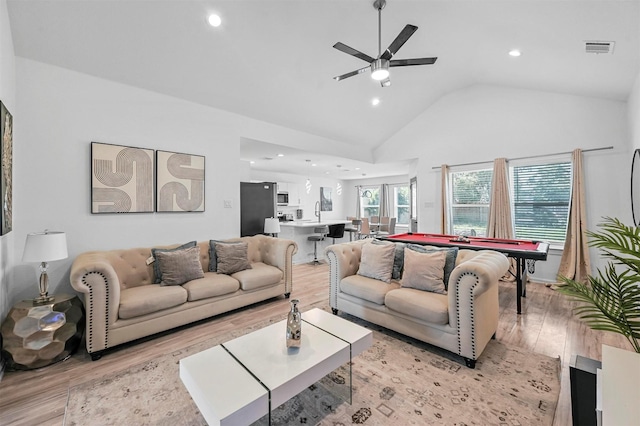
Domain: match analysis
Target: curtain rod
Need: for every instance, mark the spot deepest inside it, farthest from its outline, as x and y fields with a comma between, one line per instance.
x=373, y=184
x=523, y=158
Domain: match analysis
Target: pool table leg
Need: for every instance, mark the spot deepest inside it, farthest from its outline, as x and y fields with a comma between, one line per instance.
x=519, y=265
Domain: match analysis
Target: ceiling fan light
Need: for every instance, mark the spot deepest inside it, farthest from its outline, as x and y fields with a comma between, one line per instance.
x=379, y=69
x=214, y=20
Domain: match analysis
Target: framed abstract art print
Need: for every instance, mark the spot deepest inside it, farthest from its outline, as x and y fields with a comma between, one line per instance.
x=6, y=178
x=180, y=182
x=121, y=179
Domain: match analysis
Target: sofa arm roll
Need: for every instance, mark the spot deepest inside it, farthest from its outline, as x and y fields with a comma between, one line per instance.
x=344, y=261
x=473, y=300
x=278, y=252
x=93, y=275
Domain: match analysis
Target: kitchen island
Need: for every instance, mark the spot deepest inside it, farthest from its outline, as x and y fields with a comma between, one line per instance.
x=299, y=231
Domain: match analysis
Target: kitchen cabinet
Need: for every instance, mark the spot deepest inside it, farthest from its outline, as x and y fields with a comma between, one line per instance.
x=294, y=194
x=293, y=190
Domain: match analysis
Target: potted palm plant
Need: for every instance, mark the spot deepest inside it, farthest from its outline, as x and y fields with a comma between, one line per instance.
x=610, y=300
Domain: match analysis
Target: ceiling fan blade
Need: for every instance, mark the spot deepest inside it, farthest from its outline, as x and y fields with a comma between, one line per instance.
x=353, y=52
x=402, y=38
x=407, y=62
x=351, y=74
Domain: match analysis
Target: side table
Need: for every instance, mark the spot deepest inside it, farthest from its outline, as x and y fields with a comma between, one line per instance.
x=35, y=336
x=582, y=376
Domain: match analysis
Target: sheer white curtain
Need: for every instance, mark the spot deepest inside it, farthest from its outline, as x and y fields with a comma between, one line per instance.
x=444, y=214
x=575, y=262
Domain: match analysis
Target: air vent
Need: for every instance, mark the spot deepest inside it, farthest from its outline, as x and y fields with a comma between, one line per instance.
x=599, y=47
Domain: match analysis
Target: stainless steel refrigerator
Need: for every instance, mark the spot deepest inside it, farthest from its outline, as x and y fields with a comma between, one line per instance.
x=257, y=202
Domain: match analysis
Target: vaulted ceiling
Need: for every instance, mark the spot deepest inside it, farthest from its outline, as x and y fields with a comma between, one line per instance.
x=274, y=61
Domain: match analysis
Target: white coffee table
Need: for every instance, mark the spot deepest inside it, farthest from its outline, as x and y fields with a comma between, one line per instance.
x=240, y=381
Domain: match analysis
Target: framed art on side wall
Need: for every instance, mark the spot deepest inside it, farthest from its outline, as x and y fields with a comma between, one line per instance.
x=121, y=179
x=180, y=182
x=326, y=203
x=6, y=178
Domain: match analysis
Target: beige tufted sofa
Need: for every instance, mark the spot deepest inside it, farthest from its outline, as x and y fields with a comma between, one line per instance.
x=123, y=304
x=461, y=321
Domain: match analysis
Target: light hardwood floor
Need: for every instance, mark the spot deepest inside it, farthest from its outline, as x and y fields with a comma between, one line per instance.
x=546, y=326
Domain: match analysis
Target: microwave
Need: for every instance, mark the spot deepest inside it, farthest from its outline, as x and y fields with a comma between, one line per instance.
x=283, y=198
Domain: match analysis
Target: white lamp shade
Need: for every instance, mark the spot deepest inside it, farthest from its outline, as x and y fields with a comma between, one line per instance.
x=45, y=246
x=271, y=225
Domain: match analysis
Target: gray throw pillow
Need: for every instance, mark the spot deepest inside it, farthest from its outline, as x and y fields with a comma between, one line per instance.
x=424, y=271
x=180, y=266
x=377, y=261
x=450, y=262
x=213, y=258
x=156, y=265
x=398, y=258
x=232, y=257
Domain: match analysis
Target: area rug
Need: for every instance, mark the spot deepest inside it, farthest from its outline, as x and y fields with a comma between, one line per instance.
x=398, y=381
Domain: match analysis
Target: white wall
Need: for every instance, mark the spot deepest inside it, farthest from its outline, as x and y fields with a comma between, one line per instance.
x=634, y=114
x=62, y=112
x=8, y=98
x=351, y=192
x=308, y=201
x=481, y=123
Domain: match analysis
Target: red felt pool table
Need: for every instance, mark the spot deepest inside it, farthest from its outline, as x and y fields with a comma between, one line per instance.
x=520, y=250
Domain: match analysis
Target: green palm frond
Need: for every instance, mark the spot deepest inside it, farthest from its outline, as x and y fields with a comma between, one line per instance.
x=618, y=242
x=610, y=301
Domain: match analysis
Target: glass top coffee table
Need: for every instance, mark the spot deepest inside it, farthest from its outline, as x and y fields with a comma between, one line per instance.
x=240, y=381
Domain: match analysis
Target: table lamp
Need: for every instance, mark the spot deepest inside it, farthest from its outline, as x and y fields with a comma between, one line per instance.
x=272, y=226
x=44, y=247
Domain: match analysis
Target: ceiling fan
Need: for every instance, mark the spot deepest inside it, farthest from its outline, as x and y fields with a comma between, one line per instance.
x=380, y=65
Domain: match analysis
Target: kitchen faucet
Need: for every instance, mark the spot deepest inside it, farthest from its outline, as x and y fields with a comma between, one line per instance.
x=317, y=210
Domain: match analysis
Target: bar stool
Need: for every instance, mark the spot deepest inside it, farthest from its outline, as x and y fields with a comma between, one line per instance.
x=355, y=229
x=320, y=233
x=336, y=231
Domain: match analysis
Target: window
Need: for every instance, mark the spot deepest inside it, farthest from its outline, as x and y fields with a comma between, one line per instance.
x=413, y=189
x=540, y=197
x=470, y=194
x=370, y=201
x=400, y=204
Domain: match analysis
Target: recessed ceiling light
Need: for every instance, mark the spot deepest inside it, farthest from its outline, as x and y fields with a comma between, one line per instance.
x=515, y=53
x=357, y=168
x=252, y=162
x=280, y=155
x=326, y=173
x=375, y=101
x=214, y=20
x=313, y=165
